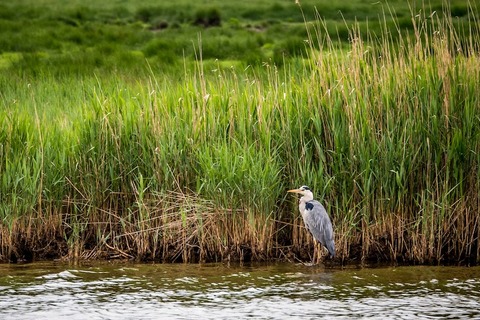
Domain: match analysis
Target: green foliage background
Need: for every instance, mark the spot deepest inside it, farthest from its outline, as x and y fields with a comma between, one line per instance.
x=110, y=111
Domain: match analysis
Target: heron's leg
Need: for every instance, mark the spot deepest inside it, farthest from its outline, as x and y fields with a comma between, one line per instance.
x=315, y=253
x=319, y=253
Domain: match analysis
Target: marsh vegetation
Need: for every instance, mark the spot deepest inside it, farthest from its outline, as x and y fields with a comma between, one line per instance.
x=172, y=132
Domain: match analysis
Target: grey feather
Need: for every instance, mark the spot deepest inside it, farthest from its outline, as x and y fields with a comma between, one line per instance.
x=318, y=223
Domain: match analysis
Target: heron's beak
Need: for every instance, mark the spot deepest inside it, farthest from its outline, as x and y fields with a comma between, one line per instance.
x=295, y=191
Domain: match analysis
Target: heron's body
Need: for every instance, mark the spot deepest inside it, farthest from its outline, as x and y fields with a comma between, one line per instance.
x=316, y=219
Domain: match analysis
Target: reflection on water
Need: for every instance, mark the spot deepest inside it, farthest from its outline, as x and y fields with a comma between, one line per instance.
x=142, y=291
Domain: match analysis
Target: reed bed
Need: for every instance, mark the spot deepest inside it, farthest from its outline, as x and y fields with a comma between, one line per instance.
x=194, y=167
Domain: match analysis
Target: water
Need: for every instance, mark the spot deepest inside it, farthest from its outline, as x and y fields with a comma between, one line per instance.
x=216, y=291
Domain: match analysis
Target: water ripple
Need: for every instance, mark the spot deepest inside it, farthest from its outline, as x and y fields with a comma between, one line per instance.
x=220, y=292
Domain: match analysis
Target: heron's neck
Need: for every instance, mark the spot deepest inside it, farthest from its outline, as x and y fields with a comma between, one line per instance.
x=306, y=197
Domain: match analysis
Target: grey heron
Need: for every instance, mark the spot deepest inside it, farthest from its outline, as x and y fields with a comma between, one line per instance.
x=316, y=219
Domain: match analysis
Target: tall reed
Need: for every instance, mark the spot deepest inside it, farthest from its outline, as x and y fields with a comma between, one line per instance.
x=195, y=167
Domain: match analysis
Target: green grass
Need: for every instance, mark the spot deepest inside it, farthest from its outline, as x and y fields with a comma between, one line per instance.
x=119, y=140
x=79, y=37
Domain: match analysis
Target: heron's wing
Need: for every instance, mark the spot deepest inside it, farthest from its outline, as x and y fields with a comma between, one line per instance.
x=319, y=224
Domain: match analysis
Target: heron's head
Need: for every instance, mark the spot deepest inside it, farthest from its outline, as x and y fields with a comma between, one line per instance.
x=303, y=190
